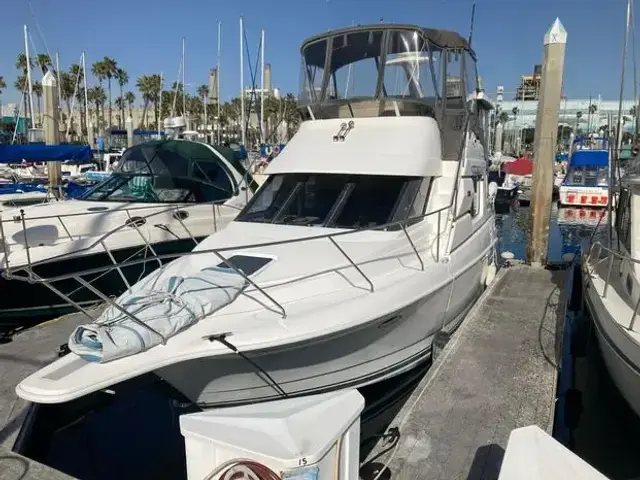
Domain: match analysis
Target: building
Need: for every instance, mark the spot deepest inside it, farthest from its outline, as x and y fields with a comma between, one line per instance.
x=573, y=113
x=529, y=88
x=9, y=109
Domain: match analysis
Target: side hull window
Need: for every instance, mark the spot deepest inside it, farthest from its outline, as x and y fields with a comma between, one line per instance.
x=478, y=192
x=623, y=219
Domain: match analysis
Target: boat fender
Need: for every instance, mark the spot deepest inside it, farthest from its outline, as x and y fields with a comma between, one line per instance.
x=489, y=274
x=493, y=189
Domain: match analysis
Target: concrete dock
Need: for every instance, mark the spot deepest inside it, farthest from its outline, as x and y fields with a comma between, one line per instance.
x=498, y=372
x=28, y=352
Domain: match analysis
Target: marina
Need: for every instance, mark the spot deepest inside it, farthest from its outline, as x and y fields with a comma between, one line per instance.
x=393, y=273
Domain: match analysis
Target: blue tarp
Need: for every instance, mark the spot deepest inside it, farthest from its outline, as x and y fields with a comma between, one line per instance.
x=589, y=158
x=9, y=188
x=44, y=153
x=117, y=131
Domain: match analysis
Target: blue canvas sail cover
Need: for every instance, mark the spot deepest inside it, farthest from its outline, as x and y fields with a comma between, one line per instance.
x=44, y=153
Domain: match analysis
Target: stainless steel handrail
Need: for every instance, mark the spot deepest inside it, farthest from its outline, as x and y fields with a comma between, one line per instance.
x=131, y=209
x=100, y=239
x=330, y=236
x=398, y=223
x=611, y=255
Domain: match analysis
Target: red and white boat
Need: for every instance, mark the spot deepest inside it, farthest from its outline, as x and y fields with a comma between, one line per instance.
x=586, y=183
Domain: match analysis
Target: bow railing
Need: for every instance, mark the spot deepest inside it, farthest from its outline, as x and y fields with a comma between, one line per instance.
x=595, y=259
x=434, y=246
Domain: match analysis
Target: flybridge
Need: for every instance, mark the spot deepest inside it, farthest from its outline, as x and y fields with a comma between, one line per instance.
x=385, y=70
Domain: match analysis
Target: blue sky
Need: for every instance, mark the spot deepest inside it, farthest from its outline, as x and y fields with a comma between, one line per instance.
x=145, y=36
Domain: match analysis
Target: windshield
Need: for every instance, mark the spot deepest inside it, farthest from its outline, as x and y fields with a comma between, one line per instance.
x=589, y=176
x=201, y=188
x=337, y=200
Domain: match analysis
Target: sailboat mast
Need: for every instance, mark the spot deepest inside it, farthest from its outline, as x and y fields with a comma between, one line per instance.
x=614, y=161
x=184, y=81
x=58, y=78
x=262, y=132
x=26, y=52
x=242, y=129
x=86, y=96
x=160, y=107
x=218, y=76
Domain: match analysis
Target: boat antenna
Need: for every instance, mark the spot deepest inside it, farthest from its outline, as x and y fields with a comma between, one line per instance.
x=473, y=17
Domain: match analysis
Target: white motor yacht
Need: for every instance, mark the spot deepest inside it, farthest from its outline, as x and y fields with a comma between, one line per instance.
x=372, y=232
x=164, y=197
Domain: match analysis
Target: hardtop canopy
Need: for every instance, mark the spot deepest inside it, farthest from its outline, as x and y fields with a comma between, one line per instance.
x=445, y=39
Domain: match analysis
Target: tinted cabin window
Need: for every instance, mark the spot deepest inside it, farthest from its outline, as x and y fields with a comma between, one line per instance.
x=336, y=200
x=245, y=263
x=577, y=176
x=590, y=176
x=413, y=199
x=312, y=200
x=453, y=121
x=371, y=202
x=623, y=219
x=476, y=204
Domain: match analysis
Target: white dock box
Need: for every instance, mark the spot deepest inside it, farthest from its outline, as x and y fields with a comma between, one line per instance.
x=310, y=438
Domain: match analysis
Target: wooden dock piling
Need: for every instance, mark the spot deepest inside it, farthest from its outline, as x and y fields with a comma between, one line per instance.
x=544, y=146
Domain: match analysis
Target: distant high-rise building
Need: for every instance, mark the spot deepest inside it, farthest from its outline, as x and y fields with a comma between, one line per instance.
x=267, y=77
x=213, y=84
x=529, y=88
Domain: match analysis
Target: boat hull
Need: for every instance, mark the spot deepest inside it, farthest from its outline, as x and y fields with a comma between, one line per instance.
x=620, y=353
x=385, y=347
x=583, y=196
x=24, y=304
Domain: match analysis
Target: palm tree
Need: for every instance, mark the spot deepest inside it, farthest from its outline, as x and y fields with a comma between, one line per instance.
x=130, y=98
x=3, y=84
x=67, y=88
x=503, y=117
x=44, y=62
x=21, y=83
x=110, y=69
x=167, y=100
x=578, y=117
x=120, y=104
x=37, y=89
x=632, y=110
x=156, y=90
x=104, y=70
x=122, y=77
x=145, y=86
x=21, y=62
x=98, y=97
